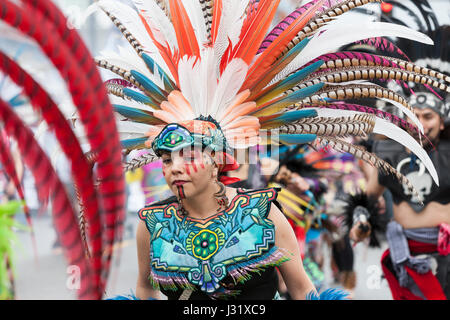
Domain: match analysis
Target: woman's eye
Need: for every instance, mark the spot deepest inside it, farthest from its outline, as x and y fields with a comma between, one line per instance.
x=167, y=161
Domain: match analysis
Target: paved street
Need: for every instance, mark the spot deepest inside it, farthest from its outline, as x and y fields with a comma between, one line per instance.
x=48, y=278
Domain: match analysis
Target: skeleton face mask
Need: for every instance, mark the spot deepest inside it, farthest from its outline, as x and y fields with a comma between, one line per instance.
x=421, y=180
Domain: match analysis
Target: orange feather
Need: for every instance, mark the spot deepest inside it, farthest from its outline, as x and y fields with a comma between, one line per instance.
x=238, y=100
x=276, y=48
x=217, y=14
x=242, y=110
x=179, y=102
x=170, y=59
x=187, y=41
x=254, y=30
x=245, y=121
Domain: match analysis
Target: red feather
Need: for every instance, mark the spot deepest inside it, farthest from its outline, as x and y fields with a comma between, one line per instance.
x=69, y=55
x=171, y=59
x=49, y=186
x=6, y=159
x=217, y=15
x=101, y=128
x=265, y=60
x=254, y=29
x=81, y=170
x=187, y=41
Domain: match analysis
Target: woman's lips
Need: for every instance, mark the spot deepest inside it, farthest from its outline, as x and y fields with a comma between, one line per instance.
x=179, y=182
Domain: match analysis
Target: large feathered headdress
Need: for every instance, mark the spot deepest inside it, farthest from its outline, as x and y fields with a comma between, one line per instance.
x=193, y=60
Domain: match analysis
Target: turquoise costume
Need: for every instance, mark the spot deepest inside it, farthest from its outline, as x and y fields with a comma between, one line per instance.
x=200, y=254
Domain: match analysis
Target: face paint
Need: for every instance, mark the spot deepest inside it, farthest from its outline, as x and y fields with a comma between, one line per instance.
x=186, y=166
x=181, y=192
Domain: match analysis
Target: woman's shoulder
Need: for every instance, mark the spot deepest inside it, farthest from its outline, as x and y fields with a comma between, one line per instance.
x=268, y=190
x=158, y=206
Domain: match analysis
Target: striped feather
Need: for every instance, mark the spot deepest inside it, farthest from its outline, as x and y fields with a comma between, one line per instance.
x=355, y=125
x=345, y=74
x=336, y=35
x=326, y=16
x=276, y=89
x=49, y=186
x=91, y=100
x=345, y=92
x=207, y=10
x=368, y=157
x=393, y=132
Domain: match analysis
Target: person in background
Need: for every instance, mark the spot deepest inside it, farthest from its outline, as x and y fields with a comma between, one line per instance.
x=416, y=229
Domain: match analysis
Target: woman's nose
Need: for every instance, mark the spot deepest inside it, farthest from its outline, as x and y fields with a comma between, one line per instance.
x=177, y=165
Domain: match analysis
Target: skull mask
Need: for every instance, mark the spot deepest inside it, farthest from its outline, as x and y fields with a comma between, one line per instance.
x=421, y=180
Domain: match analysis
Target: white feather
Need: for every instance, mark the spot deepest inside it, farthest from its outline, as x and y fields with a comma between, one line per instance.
x=125, y=59
x=395, y=133
x=408, y=112
x=230, y=25
x=188, y=73
x=198, y=81
x=389, y=130
x=195, y=13
x=131, y=130
x=229, y=84
x=208, y=78
x=153, y=12
x=336, y=34
x=130, y=20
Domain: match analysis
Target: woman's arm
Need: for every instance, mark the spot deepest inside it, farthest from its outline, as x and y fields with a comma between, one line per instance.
x=292, y=271
x=144, y=289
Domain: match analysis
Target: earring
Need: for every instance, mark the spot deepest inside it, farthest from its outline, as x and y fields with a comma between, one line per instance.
x=221, y=197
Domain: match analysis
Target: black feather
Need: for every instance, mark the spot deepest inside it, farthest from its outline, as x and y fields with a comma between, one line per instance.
x=371, y=204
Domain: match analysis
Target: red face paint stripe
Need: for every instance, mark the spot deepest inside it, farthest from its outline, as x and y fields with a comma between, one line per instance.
x=181, y=192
